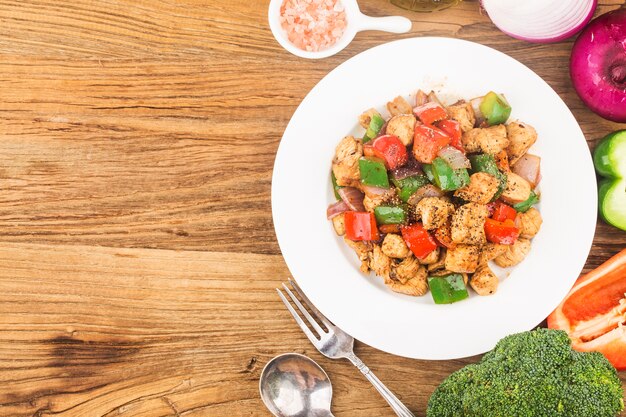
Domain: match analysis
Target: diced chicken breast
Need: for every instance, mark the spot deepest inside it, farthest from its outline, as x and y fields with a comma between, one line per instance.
x=514, y=254
x=431, y=258
x=517, y=189
x=346, y=161
x=463, y=258
x=379, y=262
x=484, y=281
x=491, y=139
x=521, y=137
x=362, y=250
x=402, y=126
x=407, y=269
x=415, y=286
x=394, y=246
x=468, y=224
x=434, y=212
x=481, y=189
x=339, y=224
x=441, y=262
x=490, y=251
x=399, y=106
x=463, y=113
x=529, y=223
x=366, y=117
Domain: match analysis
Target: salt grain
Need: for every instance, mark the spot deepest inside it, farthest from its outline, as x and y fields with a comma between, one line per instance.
x=313, y=25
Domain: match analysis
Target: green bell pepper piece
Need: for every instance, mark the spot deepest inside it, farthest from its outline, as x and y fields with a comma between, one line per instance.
x=609, y=158
x=373, y=172
x=447, y=289
x=487, y=163
x=430, y=174
x=336, y=187
x=376, y=123
x=446, y=178
x=390, y=214
x=495, y=108
x=525, y=205
x=408, y=186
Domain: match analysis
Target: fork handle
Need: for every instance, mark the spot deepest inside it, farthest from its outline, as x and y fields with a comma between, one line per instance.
x=393, y=401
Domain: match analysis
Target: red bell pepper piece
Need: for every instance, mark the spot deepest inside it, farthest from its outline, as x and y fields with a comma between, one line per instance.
x=360, y=226
x=503, y=212
x=418, y=240
x=430, y=113
x=504, y=232
x=453, y=129
x=388, y=148
x=427, y=142
x=594, y=311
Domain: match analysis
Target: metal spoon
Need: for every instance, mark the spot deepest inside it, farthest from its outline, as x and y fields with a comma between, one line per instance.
x=293, y=385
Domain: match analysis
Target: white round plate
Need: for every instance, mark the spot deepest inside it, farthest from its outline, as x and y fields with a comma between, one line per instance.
x=328, y=271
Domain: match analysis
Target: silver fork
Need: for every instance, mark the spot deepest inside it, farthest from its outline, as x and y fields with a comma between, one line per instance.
x=335, y=343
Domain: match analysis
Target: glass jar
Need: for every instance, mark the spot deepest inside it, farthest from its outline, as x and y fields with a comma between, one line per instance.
x=425, y=5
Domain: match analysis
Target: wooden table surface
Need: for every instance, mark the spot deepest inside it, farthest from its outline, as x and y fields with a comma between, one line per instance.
x=137, y=255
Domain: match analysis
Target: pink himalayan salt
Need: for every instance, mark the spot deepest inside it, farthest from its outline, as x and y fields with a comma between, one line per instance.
x=313, y=25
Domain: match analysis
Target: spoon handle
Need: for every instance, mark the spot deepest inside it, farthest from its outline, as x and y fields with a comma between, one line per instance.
x=393, y=401
x=394, y=24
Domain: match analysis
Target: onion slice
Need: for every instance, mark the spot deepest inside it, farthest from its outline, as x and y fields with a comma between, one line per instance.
x=353, y=198
x=336, y=209
x=540, y=21
x=426, y=191
x=454, y=157
x=529, y=168
x=406, y=171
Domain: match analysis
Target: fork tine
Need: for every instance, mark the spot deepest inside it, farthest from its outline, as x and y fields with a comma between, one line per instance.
x=304, y=311
x=298, y=319
x=308, y=302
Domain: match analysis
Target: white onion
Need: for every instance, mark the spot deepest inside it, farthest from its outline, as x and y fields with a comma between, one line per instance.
x=540, y=20
x=529, y=168
x=454, y=157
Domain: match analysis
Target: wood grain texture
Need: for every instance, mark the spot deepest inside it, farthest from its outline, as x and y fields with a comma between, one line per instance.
x=137, y=253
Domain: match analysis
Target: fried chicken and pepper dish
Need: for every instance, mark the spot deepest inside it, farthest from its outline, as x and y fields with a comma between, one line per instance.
x=431, y=194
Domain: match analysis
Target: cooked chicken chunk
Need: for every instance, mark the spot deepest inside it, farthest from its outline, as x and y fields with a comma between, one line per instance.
x=463, y=113
x=521, y=138
x=441, y=262
x=490, y=251
x=407, y=269
x=394, y=246
x=431, y=258
x=346, y=161
x=399, y=106
x=366, y=117
x=517, y=189
x=443, y=235
x=463, y=258
x=379, y=262
x=434, y=212
x=481, y=189
x=514, y=254
x=362, y=250
x=373, y=200
x=491, y=139
x=484, y=281
x=468, y=224
x=339, y=224
x=416, y=285
x=529, y=223
x=402, y=126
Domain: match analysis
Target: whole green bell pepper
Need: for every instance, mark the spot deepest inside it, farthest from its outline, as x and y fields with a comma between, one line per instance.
x=495, y=108
x=609, y=158
x=390, y=214
x=448, y=288
x=373, y=172
x=408, y=186
x=487, y=163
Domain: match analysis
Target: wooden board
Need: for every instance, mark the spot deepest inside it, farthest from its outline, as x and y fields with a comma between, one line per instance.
x=137, y=255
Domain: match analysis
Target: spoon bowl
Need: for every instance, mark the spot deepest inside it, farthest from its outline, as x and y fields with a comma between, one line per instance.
x=356, y=22
x=294, y=385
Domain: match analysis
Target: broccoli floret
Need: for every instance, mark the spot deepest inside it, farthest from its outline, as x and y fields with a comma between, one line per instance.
x=531, y=374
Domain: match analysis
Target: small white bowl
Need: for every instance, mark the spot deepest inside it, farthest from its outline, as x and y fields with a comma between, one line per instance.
x=356, y=22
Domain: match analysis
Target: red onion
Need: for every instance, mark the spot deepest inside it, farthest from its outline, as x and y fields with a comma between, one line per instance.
x=373, y=192
x=353, y=198
x=475, y=102
x=454, y=157
x=336, y=209
x=540, y=21
x=598, y=65
x=424, y=192
x=406, y=171
x=529, y=168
